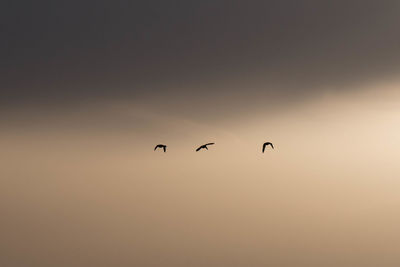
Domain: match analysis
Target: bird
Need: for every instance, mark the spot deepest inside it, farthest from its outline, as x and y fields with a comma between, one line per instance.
x=266, y=144
x=161, y=146
x=204, y=146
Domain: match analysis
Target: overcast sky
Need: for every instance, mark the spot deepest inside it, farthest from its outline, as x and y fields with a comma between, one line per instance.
x=88, y=88
x=68, y=51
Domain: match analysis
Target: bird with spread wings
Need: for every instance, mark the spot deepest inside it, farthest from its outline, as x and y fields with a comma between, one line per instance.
x=266, y=144
x=204, y=146
x=164, y=147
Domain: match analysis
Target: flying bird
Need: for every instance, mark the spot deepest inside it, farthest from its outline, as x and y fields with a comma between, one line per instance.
x=161, y=146
x=204, y=146
x=266, y=144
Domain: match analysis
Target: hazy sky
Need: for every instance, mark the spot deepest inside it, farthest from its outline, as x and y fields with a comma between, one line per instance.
x=88, y=88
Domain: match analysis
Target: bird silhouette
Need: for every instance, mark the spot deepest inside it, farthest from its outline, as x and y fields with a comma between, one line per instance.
x=204, y=146
x=161, y=146
x=266, y=144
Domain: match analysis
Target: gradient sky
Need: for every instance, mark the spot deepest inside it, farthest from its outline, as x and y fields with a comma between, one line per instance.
x=88, y=88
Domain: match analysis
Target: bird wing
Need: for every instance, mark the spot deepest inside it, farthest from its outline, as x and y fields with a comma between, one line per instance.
x=209, y=144
x=165, y=148
x=155, y=148
x=266, y=144
x=198, y=148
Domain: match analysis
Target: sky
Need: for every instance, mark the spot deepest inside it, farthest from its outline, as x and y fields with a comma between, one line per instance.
x=88, y=88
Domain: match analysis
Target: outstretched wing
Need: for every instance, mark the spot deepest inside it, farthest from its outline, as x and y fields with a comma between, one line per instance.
x=209, y=144
x=272, y=145
x=155, y=148
x=198, y=148
x=266, y=144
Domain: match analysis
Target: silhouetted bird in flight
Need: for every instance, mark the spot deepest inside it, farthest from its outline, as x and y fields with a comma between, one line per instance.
x=161, y=146
x=266, y=144
x=204, y=146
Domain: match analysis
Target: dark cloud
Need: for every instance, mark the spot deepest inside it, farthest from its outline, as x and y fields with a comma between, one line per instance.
x=55, y=51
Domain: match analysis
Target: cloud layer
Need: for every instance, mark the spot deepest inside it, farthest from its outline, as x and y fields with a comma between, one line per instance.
x=137, y=50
